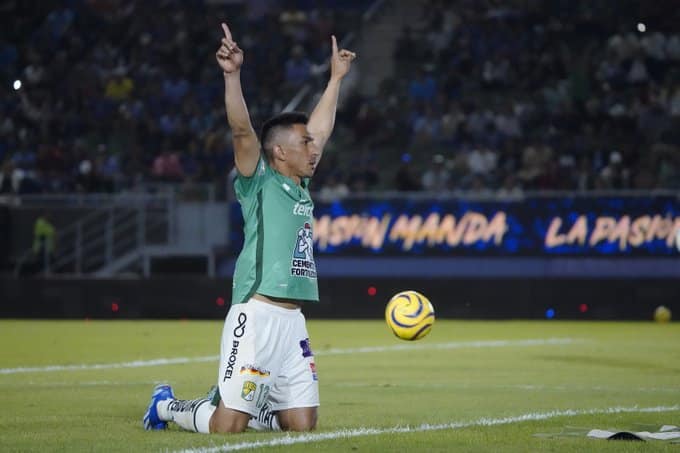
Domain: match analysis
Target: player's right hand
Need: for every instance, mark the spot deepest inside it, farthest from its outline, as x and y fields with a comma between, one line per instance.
x=229, y=55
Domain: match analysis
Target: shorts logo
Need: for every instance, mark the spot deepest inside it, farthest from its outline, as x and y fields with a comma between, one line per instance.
x=248, y=390
x=306, y=348
x=241, y=328
x=262, y=397
x=252, y=370
x=302, y=264
x=231, y=360
x=312, y=366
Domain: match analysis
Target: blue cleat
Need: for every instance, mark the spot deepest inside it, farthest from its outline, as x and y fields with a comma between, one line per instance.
x=150, y=421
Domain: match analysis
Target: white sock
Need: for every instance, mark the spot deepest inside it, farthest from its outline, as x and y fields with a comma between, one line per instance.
x=192, y=415
x=266, y=420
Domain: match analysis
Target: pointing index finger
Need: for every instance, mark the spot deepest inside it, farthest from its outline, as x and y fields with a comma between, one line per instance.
x=335, y=45
x=227, y=33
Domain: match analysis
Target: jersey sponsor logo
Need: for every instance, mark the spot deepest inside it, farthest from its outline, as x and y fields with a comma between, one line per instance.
x=248, y=390
x=306, y=348
x=303, y=209
x=231, y=361
x=302, y=264
x=254, y=371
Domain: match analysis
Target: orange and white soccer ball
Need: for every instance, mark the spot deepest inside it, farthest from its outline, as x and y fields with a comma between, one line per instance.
x=409, y=315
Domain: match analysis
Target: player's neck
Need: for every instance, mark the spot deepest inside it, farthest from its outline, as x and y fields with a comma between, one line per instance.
x=285, y=171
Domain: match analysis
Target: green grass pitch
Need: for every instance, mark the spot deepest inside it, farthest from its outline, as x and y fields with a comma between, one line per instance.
x=469, y=386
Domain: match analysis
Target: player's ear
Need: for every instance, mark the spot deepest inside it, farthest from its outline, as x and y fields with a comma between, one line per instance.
x=278, y=152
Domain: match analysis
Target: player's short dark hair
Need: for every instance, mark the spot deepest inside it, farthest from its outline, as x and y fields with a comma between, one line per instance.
x=283, y=120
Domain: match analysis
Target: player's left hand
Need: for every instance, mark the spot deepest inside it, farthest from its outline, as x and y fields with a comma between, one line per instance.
x=229, y=55
x=341, y=60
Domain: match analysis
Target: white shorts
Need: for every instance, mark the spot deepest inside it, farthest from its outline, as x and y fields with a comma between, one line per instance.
x=265, y=356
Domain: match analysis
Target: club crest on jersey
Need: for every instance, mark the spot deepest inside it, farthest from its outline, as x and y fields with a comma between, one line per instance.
x=248, y=390
x=302, y=264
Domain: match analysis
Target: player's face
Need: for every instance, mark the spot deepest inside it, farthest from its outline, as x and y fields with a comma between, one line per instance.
x=302, y=155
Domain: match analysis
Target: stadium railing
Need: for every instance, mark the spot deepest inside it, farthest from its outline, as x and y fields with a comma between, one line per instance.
x=110, y=229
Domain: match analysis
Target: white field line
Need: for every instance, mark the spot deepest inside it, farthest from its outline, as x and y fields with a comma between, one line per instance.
x=596, y=388
x=333, y=351
x=105, y=366
x=451, y=345
x=77, y=384
x=527, y=387
x=289, y=439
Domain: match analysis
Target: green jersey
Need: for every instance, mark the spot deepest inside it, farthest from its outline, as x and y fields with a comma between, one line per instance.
x=277, y=258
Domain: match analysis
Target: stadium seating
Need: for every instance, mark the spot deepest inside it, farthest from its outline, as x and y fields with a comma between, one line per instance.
x=102, y=96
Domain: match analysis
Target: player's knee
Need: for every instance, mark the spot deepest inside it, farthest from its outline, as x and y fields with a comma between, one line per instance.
x=227, y=421
x=305, y=421
x=301, y=426
x=226, y=426
x=310, y=425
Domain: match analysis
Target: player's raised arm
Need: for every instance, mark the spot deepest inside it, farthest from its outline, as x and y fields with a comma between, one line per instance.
x=322, y=119
x=246, y=145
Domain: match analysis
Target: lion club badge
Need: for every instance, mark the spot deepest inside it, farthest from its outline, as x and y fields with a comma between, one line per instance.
x=248, y=390
x=302, y=264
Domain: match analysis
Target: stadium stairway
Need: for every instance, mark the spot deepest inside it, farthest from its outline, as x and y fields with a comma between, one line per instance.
x=195, y=231
x=377, y=43
x=133, y=235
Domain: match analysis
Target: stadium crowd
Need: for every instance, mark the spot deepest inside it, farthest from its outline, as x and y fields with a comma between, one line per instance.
x=496, y=97
x=549, y=95
x=100, y=95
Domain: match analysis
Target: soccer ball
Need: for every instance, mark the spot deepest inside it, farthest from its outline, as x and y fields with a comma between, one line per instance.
x=409, y=315
x=662, y=314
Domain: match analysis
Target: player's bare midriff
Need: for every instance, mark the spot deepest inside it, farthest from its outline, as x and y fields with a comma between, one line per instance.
x=279, y=301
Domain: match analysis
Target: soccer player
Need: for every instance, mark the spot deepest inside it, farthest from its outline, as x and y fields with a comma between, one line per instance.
x=267, y=376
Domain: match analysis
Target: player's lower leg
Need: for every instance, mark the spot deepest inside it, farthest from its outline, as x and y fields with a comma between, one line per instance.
x=266, y=420
x=192, y=415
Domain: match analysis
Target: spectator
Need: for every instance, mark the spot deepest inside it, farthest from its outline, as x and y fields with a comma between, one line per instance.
x=298, y=68
x=405, y=179
x=44, y=241
x=510, y=190
x=333, y=189
x=6, y=185
x=120, y=86
x=167, y=166
x=436, y=178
